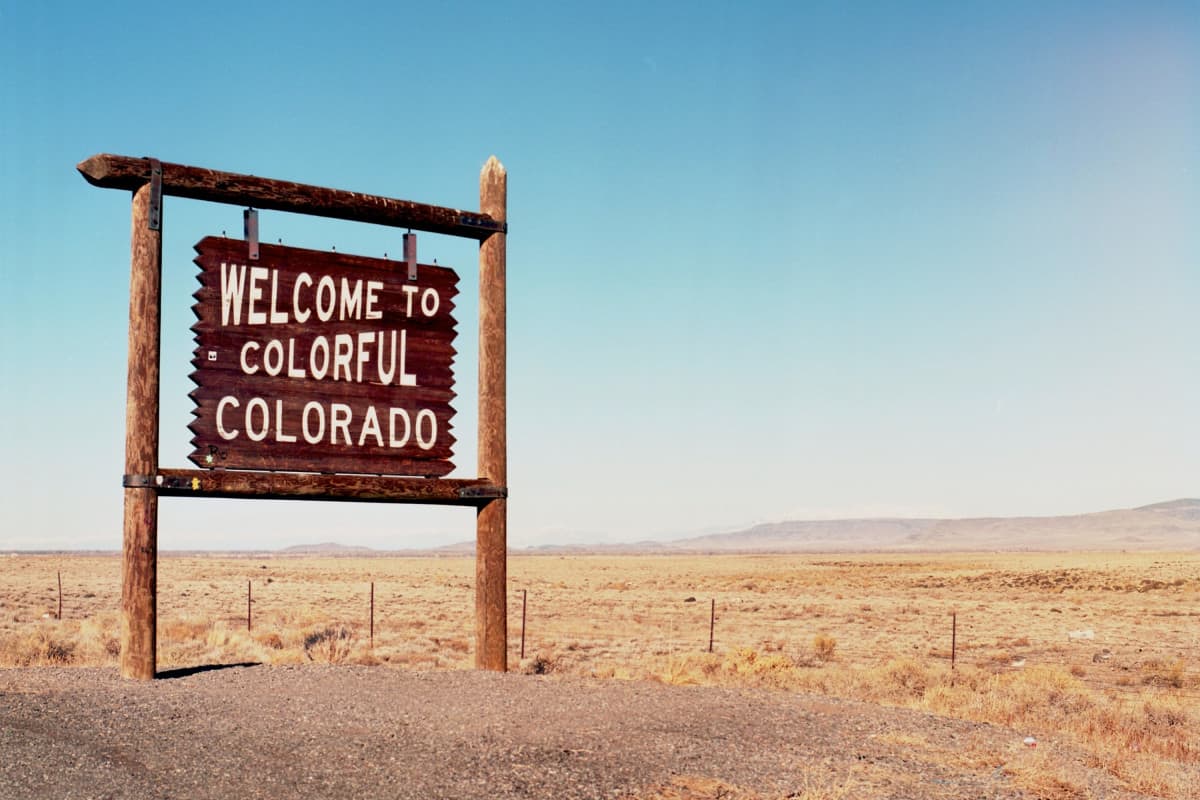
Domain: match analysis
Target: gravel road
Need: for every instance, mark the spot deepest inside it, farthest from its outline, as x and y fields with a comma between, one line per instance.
x=363, y=732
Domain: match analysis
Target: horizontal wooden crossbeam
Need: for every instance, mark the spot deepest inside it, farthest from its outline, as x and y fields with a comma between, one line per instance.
x=311, y=486
x=196, y=183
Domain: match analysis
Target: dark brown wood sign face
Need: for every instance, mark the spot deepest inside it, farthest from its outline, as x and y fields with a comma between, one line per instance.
x=308, y=361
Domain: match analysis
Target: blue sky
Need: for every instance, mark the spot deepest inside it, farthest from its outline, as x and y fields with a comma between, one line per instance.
x=766, y=261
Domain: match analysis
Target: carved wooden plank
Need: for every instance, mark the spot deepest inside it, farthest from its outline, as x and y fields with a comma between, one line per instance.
x=179, y=180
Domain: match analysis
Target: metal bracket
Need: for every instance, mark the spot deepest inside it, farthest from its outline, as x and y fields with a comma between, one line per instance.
x=154, y=222
x=480, y=220
x=410, y=254
x=141, y=481
x=483, y=492
x=250, y=231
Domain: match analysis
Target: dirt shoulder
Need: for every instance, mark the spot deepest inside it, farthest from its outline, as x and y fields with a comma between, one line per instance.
x=363, y=732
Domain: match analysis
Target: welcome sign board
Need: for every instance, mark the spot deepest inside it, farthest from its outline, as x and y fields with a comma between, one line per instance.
x=312, y=361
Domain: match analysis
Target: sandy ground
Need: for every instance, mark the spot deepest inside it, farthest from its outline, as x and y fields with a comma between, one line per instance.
x=320, y=731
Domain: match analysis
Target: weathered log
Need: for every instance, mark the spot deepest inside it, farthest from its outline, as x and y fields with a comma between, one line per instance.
x=139, y=559
x=316, y=486
x=491, y=523
x=196, y=183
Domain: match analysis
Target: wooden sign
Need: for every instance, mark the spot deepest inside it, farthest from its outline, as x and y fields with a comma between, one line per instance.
x=312, y=361
x=309, y=364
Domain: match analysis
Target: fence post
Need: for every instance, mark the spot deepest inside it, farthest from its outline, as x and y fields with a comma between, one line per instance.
x=248, y=597
x=372, y=615
x=60, y=595
x=953, y=638
x=712, y=622
x=524, y=599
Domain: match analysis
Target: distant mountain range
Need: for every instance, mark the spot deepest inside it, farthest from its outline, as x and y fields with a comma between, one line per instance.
x=325, y=549
x=1174, y=525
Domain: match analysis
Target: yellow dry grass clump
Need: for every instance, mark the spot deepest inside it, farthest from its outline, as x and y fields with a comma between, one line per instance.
x=691, y=787
x=1135, y=741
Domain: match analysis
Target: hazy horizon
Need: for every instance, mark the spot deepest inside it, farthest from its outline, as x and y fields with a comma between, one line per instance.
x=697, y=539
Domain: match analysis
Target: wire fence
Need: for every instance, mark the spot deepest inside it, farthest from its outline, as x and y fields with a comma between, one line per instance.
x=1121, y=655
x=1108, y=660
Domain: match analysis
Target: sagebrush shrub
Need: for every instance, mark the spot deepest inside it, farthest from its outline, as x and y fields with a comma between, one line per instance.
x=824, y=646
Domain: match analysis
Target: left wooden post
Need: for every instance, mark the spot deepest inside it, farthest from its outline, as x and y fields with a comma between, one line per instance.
x=139, y=563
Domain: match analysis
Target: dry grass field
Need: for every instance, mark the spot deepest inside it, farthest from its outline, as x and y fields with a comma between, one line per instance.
x=1101, y=649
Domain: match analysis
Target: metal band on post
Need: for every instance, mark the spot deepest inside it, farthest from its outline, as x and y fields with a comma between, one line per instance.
x=141, y=481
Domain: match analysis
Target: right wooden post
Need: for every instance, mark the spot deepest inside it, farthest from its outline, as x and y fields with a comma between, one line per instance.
x=491, y=522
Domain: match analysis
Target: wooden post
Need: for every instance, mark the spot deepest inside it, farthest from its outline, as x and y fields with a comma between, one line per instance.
x=491, y=521
x=249, y=596
x=60, y=595
x=372, y=615
x=712, y=623
x=953, y=638
x=139, y=561
x=524, y=603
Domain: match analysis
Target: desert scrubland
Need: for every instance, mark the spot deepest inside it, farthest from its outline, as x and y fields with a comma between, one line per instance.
x=1100, y=648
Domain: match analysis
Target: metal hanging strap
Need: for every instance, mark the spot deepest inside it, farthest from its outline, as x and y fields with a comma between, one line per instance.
x=250, y=231
x=410, y=254
x=154, y=218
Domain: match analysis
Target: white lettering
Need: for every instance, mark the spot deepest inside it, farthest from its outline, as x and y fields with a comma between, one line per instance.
x=256, y=293
x=233, y=285
x=406, y=378
x=343, y=351
x=277, y=317
x=370, y=426
x=393, y=413
x=324, y=286
x=409, y=290
x=373, y=290
x=423, y=443
x=259, y=435
x=429, y=307
x=301, y=316
x=351, y=300
x=386, y=375
x=225, y=434
x=293, y=371
x=246, y=368
x=309, y=436
x=328, y=423
x=320, y=346
x=280, y=436
x=340, y=415
x=364, y=355
x=273, y=364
